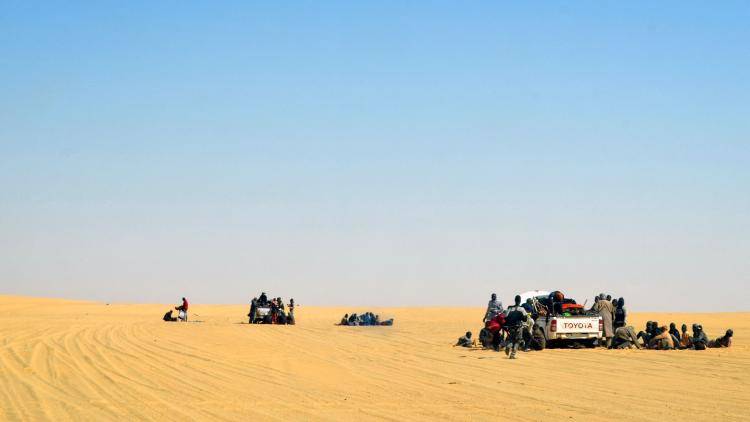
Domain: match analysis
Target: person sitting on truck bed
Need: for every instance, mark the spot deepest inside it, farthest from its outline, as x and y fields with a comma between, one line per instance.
x=262, y=299
x=620, y=313
x=465, y=340
x=723, y=341
x=625, y=338
x=494, y=307
x=556, y=300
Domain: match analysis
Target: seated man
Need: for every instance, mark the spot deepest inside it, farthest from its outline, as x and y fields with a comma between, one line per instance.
x=646, y=334
x=485, y=337
x=537, y=341
x=168, y=316
x=723, y=341
x=662, y=341
x=699, y=340
x=344, y=320
x=625, y=338
x=465, y=340
x=685, y=340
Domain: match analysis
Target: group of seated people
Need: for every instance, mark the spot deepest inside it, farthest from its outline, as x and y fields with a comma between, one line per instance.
x=668, y=338
x=273, y=311
x=367, y=318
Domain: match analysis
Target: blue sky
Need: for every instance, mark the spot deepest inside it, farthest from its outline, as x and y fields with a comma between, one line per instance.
x=376, y=153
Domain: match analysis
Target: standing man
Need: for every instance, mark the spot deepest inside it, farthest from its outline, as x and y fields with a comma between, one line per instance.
x=494, y=307
x=605, y=310
x=253, y=309
x=515, y=319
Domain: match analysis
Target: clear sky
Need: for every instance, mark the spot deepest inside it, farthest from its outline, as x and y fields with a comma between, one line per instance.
x=376, y=153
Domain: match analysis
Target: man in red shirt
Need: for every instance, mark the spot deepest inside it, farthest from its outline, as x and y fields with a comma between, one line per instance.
x=183, y=315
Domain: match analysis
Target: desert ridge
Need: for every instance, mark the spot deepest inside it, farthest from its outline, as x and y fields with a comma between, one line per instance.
x=73, y=360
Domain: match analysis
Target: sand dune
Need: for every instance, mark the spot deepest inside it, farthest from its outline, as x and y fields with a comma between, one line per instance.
x=67, y=360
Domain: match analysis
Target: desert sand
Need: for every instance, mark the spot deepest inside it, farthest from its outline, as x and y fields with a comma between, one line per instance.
x=73, y=360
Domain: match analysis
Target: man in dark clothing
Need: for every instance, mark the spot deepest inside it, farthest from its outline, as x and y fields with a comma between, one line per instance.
x=723, y=341
x=485, y=337
x=168, y=317
x=263, y=299
x=647, y=334
x=620, y=313
x=674, y=333
x=528, y=306
x=538, y=341
x=514, y=320
x=699, y=340
x=253, y=308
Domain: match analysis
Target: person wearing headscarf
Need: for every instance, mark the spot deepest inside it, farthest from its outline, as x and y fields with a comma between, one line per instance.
x=662, y=341
x=674, y=333
x=538, y=341
x=620, y=314
x=604, y=308
x=253, y=309
x=494, y=307
x=699, y=340
x=723, y=341
x=625, y=338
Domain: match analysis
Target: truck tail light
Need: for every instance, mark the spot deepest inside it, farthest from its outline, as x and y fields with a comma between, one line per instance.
x=601, y=325
x=553, y=325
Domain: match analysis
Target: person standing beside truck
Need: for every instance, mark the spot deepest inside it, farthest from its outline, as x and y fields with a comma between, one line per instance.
x=604, y=308
x=620, y=314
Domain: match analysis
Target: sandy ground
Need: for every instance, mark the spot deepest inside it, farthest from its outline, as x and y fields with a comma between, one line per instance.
x=66, y=360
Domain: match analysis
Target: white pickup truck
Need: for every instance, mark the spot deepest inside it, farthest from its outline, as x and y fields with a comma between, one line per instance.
x=585, y=329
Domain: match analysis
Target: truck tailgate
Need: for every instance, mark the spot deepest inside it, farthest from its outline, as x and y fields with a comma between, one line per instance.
x=582, y=324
